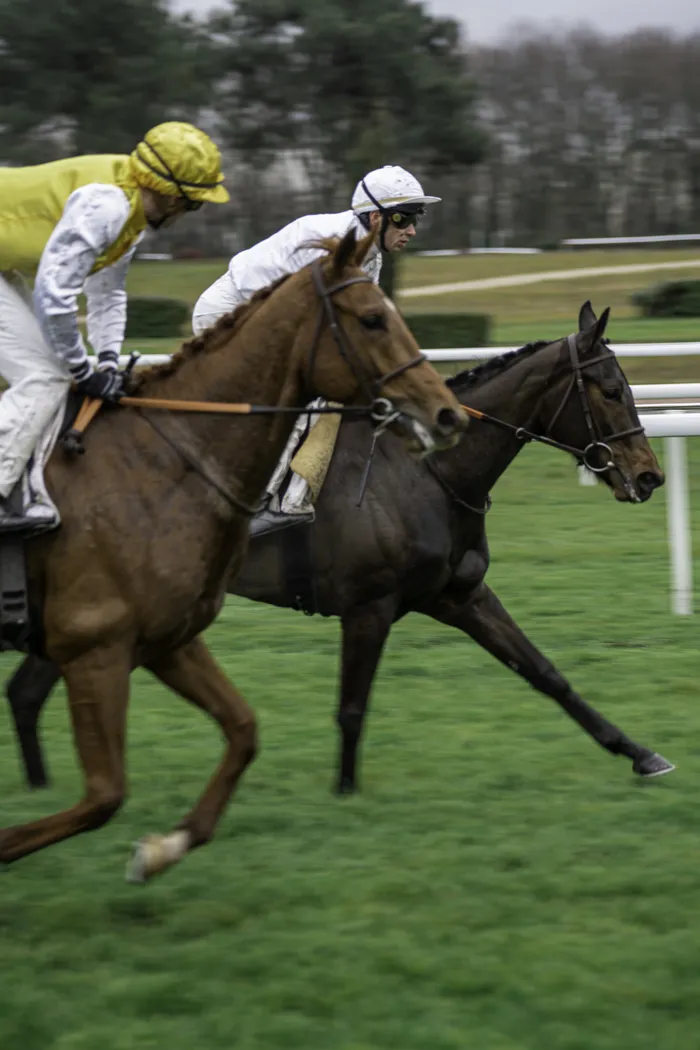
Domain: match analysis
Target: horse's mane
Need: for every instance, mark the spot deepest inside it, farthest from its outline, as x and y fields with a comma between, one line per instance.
x=211, y=339
x=494, y=366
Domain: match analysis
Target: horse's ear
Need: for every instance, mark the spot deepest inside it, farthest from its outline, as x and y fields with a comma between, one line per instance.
x=592, y=335
x=363, y=246
x=344, y=254
x=586, y=316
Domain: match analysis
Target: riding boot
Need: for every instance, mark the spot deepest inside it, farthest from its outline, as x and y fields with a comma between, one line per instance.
x=14, y=518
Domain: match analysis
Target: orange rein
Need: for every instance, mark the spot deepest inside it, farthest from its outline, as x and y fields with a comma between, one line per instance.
x=90, y=407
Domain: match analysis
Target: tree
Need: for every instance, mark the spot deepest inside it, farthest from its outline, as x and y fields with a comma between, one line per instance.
x=594, y=135
x=348, y=86
x=79, y=76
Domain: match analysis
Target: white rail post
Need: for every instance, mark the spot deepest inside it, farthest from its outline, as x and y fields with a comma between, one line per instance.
x=679, y=526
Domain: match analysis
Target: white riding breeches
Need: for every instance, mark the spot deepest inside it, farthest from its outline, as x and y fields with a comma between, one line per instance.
x=38, y=383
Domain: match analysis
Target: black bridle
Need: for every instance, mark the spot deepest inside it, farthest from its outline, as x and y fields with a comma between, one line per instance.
x=523, y=434
x=596, y=443
x=380, y=410
x=584, y=455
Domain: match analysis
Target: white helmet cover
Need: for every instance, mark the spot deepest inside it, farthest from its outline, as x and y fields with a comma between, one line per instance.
x=391, y=186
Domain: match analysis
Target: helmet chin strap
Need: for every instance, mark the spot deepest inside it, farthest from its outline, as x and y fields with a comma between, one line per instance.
x=384, y=214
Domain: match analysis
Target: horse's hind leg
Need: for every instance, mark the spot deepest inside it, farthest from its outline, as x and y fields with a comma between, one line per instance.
x=98, y=694
x=27, y=692
x=192, y=672
x=483, y=617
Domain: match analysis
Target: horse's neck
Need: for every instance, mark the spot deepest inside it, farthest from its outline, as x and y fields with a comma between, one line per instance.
x=486, y=451
x=253, y=366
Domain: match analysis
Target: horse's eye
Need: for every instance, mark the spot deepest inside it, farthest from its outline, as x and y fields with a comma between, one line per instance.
x=373, y=321
x=612, y=392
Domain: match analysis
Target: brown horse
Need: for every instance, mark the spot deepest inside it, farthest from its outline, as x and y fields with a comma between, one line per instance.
x=155, y=519
x=418, y=542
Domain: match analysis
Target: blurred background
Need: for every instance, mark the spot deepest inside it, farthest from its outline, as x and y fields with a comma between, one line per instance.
x=531, y=132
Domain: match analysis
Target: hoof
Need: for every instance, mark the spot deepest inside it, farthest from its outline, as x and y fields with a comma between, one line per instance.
x=137, y=866
x=155, y=854
x=345, y=787
x=652, y=765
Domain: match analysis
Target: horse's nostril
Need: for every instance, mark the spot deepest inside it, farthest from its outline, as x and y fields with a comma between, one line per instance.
x=448, y=421
x=648, y=480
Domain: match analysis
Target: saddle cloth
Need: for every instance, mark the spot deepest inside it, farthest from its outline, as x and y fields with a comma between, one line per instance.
x=313, y=459
x=306, y=458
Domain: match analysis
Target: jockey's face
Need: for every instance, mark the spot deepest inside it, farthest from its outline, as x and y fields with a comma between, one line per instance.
x=394, y=238
x=161, y=210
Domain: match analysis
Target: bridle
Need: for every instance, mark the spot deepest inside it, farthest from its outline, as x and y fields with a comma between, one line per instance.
x=596, y=437
x=596, y=443
x=380, y=410
x=523, y=434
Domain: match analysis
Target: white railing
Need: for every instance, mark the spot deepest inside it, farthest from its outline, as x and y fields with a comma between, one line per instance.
x=483, y=353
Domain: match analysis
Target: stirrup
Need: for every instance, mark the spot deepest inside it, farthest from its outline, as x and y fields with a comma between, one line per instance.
x=268, y=521
x=15, y=521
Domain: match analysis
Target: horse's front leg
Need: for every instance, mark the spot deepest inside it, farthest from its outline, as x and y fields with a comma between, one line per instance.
x=193, y=673
x=27, y=692
x=365, y=630
x=483, y=617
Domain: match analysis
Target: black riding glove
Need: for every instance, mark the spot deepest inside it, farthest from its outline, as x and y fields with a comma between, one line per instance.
x=106, y=385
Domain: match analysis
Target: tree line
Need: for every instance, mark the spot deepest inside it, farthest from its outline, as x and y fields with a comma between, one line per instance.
x=536, y=139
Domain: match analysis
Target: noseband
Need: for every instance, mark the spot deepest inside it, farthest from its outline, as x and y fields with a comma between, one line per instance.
x=381, y=410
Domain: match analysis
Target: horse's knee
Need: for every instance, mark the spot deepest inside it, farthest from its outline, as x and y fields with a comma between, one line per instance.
x=350, y=722
x=103, y=805
x=250, y=743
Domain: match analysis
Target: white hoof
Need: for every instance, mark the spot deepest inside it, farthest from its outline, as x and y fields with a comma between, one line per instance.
x=137, y=865
x=156, y=853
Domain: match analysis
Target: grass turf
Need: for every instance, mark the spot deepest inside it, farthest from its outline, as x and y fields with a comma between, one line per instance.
x=500, y=883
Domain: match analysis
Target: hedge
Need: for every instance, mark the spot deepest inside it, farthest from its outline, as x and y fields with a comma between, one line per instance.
x=150, y=317
x=670, y=299
x=447, y=331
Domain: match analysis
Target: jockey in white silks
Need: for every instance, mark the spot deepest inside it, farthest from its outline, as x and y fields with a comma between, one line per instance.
x=75, y=224
x=389, y=200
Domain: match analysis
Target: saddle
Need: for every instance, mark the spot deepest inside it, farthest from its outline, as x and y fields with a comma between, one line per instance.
x=20, y=625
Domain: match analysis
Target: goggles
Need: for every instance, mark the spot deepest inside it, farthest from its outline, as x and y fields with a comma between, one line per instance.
x=402, y=218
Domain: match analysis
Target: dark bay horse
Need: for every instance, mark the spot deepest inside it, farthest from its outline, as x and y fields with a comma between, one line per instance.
x=155, y=521
x=418, y=541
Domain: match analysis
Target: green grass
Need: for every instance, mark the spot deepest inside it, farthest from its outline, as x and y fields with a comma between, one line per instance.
x=549, y=301
x=419, y=270
x=501, y=882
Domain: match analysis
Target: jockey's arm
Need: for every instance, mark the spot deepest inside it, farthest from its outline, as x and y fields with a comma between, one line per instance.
x=106, y=310
x=91, y=222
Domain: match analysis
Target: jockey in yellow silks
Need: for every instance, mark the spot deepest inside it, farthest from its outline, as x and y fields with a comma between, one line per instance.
x=74, y=224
